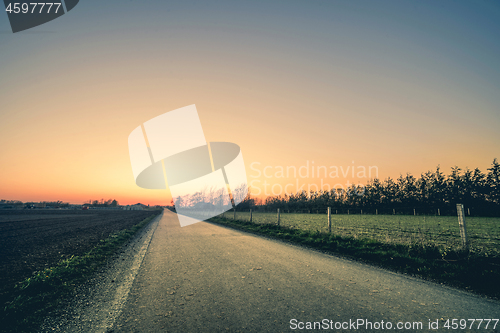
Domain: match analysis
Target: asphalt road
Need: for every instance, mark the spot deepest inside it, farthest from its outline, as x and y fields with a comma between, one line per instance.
x=207, y=278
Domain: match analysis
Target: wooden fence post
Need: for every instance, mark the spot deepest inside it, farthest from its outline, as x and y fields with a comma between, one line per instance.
x=361, y=212
x=414, y=213
x=278, y=216
x=376, y=211
x=439, y=212
x=393, y=211
x=463, y=228
x=329, y=221
x=348, y=212
x=250, y=214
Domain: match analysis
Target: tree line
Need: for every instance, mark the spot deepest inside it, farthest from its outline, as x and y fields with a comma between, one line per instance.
x=431, y=193
x=102, y=203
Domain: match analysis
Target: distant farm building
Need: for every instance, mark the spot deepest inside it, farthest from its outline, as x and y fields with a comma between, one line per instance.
x=137, y=206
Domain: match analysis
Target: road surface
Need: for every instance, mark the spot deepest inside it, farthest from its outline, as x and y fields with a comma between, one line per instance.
x=208, y=278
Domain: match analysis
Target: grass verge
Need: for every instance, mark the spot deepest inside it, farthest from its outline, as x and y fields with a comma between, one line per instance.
x=471, y=271
x=45, y=290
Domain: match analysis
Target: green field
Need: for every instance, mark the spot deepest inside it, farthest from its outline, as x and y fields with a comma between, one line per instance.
x=443, y=231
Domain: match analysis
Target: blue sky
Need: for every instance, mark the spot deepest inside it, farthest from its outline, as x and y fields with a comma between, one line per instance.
x=404, y=85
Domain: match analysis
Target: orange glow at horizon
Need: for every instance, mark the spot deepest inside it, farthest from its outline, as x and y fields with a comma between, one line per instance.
x=64, y=125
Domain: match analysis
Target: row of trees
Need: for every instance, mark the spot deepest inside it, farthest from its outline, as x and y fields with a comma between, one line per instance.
x=32, y=204
x=102, y=203
x=11, y=202
x=60, y=204
x=433, y=190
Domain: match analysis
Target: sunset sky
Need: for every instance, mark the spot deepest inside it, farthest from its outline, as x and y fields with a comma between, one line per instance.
x=402, y=86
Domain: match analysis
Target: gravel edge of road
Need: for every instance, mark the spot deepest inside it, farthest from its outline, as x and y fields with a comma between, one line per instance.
x=95, y=305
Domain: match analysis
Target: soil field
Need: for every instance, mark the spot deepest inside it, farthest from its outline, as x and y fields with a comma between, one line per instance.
x=31, y=240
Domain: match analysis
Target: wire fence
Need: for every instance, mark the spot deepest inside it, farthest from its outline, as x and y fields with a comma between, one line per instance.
x=443, y=231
